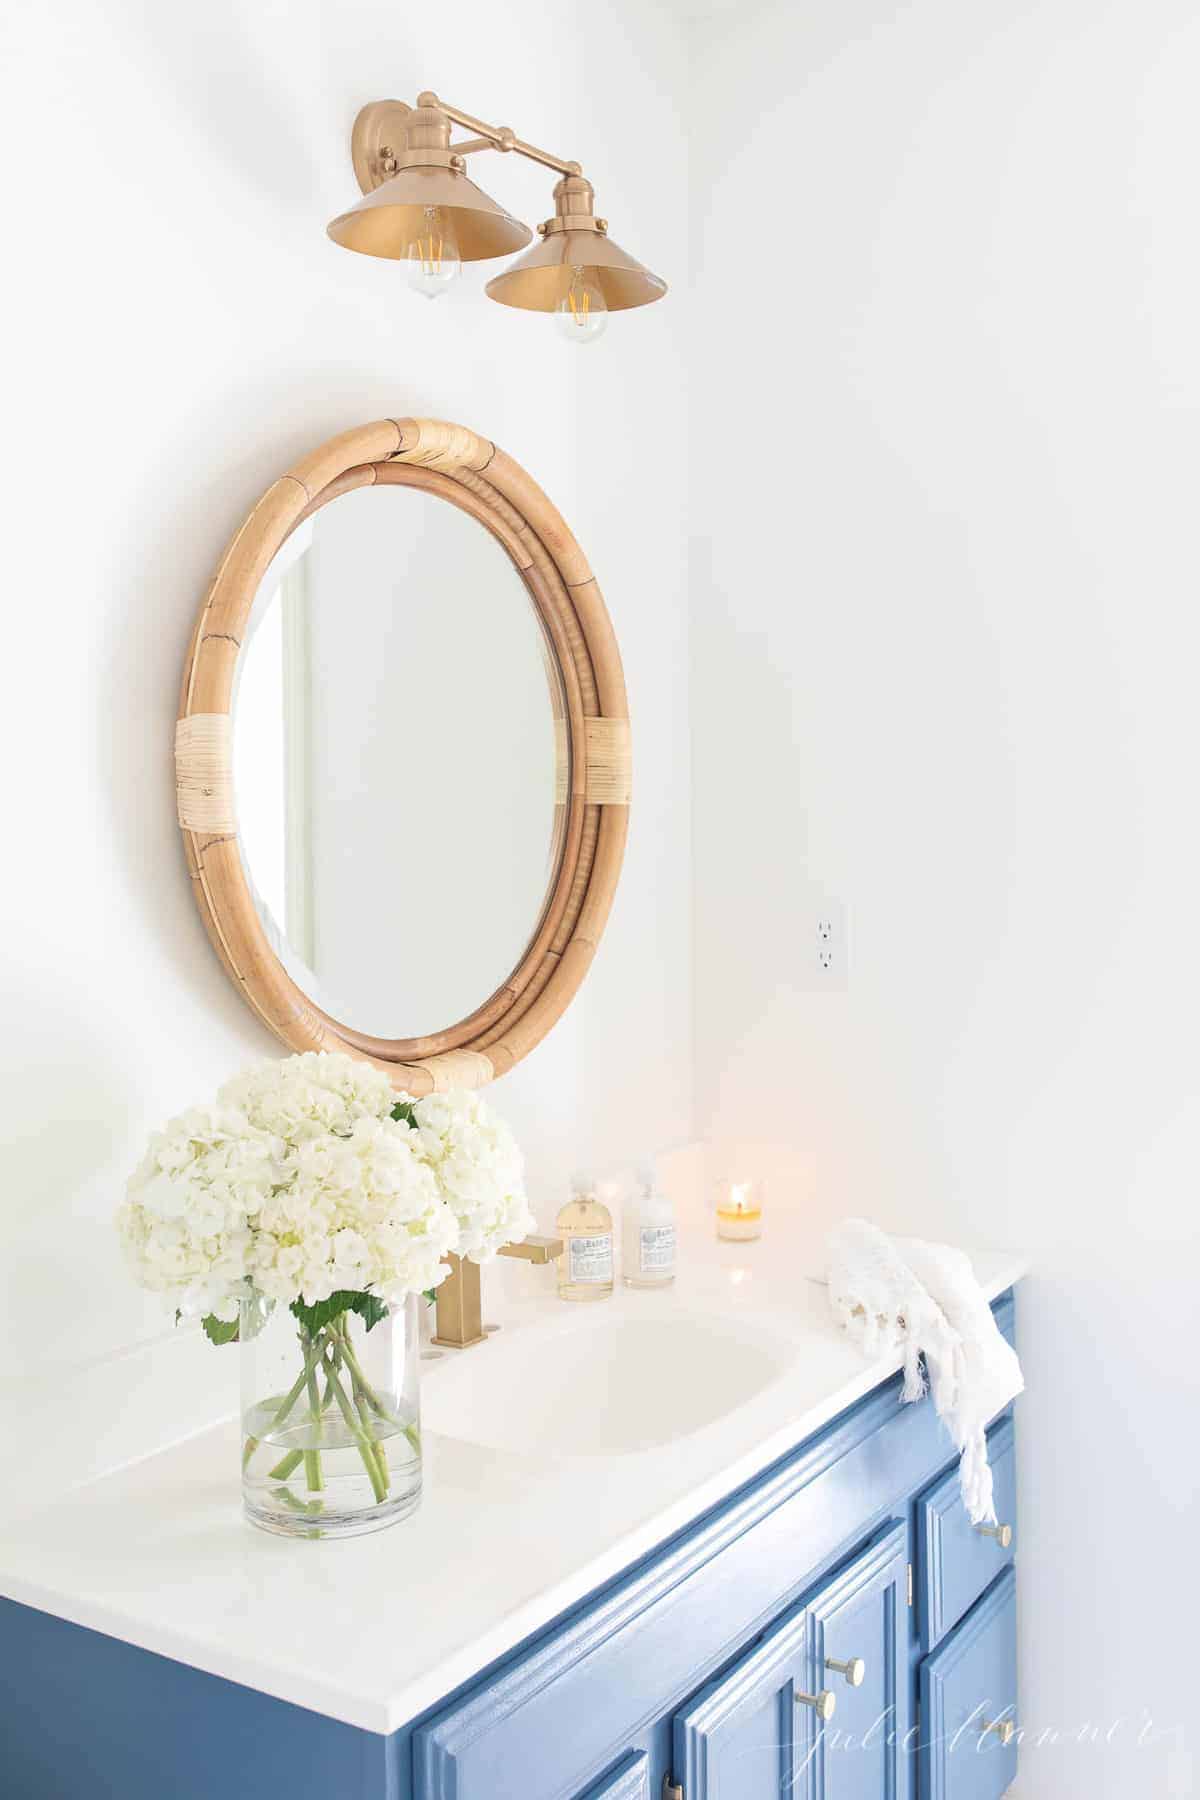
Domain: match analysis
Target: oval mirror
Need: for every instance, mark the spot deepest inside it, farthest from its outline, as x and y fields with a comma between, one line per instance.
x=398, y=777
x=402, y=756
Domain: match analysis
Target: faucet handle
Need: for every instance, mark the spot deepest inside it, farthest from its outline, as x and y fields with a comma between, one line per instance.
x=534, y=1249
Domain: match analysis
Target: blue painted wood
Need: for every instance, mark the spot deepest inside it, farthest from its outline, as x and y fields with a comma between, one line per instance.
x=862, y=1753
x=630, y=1780
x=737, y=1740
x=969, y=1680
x=634, y=1651
x=957, y=1562
x=85, y=1716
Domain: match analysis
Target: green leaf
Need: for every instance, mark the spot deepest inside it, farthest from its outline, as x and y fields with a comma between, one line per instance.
x=220, y=1331
x=404, y=1109
x=369, y=1307
x=429, y=1295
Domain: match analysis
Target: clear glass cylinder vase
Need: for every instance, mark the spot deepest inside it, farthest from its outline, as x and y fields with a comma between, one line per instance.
x=331, y=1443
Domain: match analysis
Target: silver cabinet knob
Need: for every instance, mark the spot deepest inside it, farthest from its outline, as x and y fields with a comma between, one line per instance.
x=1002, y=1534
x=823, y=1704
x=855, y=1670
x=1005, y=1730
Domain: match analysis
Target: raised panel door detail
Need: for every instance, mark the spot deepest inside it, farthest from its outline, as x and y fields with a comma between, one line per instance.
x=630, y=1780
x=737, y=1739
x=968, y=1685
x=957, y=1560
x=859, y=1620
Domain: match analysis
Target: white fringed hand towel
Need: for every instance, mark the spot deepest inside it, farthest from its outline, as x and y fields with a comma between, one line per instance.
x=923, y=1299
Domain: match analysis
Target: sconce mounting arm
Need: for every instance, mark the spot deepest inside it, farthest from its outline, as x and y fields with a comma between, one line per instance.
x=496, y=137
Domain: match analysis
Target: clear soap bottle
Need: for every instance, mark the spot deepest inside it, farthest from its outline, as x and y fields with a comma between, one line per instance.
x=648, y=1234
x=585, y=1268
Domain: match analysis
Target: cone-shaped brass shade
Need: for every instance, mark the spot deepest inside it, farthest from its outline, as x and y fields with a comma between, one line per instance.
x=386, y=221
x=541, y=278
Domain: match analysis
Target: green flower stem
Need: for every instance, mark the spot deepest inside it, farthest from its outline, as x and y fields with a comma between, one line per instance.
x=360, y=1388
x=280, y=1473
x=310, y=1508
x=285, y=1467
x=366, y=1442
x=380, y=1453
x=372, y=1398
x=312, y=1458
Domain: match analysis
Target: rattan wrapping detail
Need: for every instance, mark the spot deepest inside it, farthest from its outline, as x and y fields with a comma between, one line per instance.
x=436, y=444
x=609, y=761
x=204, y=773
x=454, y=1069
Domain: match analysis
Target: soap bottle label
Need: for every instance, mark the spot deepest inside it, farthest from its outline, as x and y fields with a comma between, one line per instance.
x=590, y=1258
x=657, y=1249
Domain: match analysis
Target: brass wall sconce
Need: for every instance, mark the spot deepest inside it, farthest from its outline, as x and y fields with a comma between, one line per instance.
x=420, y=207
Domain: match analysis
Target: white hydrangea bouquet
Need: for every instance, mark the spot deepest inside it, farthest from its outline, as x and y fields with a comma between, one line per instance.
x=310, y=1184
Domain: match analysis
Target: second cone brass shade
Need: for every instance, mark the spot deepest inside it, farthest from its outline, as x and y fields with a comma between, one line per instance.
x=542, y=277
x=386, y=222
x=575, y=240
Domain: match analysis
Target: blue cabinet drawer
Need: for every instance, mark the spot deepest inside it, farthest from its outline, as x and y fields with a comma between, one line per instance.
x=958, y=1560
x=969, y=1703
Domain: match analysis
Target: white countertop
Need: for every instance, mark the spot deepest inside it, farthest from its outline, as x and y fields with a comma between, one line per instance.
x=374, y=1630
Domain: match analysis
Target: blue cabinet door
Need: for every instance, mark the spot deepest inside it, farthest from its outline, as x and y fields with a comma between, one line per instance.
x=752, y=1734
x=969, y=1725
x=737, y=1739
x=858, y=1649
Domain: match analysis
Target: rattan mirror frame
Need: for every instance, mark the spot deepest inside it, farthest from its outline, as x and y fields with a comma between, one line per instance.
x=472, y=473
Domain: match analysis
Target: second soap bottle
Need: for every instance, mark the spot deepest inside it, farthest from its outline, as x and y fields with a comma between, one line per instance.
x=585, y=1268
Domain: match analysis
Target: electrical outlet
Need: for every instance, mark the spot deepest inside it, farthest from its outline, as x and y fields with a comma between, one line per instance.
x=825, y=946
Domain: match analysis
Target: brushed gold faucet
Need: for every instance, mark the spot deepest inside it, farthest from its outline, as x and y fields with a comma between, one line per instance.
x=459, y=1299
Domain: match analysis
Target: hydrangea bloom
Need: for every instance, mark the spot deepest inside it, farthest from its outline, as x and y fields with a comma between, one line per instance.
x=479, y=1169
x=299, y=1180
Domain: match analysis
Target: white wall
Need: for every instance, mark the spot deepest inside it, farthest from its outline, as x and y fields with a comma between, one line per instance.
x=945, y=661
x=179, y=330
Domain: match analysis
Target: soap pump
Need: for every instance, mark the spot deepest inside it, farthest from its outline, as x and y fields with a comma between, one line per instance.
x=585, y=1268
x=648, y=1233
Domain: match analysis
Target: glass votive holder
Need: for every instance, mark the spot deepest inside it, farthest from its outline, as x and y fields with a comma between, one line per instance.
x=739, y=1209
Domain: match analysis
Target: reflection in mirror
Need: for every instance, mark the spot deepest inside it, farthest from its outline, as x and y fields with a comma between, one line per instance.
x=399, y=762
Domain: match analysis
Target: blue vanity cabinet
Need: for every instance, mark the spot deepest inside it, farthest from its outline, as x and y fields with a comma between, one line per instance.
x=683, y=1677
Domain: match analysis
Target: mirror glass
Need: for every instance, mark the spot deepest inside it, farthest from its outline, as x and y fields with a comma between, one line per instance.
x=399, y=762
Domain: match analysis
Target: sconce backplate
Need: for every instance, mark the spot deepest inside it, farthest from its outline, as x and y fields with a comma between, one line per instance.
x=378, y=127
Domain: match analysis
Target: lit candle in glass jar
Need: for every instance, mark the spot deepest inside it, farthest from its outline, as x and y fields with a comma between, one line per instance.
x=739, y=1209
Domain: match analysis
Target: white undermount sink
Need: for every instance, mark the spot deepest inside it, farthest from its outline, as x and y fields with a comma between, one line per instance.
x=600, y=1386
